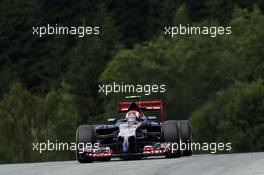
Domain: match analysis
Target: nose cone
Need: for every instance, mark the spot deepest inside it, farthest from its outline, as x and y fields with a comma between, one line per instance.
x=125, y=145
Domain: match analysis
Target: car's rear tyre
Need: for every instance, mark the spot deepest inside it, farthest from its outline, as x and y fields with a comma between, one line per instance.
x=84, y=135
x=171, y=133
x=186, y=136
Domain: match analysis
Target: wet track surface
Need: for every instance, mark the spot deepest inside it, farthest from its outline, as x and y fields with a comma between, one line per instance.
x=231, y=164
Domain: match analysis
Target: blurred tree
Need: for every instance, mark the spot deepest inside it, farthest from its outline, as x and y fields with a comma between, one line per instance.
x=193, y=67
x=235, y=115
x=87, y=60
x=139, y=21
x=25, y=118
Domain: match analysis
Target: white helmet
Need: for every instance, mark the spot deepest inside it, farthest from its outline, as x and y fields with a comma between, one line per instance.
x=132, y=116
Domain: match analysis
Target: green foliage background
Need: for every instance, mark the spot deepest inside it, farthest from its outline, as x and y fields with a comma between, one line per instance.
x=49, y=85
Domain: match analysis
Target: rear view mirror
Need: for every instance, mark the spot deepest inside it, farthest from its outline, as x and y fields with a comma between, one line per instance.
x=152, y=117
x=111, y=120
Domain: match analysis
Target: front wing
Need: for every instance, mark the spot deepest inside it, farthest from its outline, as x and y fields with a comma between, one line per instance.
x=157, y=149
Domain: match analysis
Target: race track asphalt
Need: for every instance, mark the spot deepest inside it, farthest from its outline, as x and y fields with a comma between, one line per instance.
x=209, y=164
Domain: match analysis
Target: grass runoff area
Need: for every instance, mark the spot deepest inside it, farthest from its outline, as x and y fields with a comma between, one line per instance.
x=49, y=85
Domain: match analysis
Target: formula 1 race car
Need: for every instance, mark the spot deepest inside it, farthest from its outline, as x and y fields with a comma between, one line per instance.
x=134, y=134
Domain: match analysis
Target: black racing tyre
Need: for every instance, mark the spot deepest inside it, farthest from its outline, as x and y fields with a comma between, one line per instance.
x=171, y=133
x=84, y=135
x=186, y=136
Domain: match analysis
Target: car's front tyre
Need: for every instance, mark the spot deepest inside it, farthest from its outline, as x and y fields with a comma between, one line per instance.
x=84, y=135
x=171, y=133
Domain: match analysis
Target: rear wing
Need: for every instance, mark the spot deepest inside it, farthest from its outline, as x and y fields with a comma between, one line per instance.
x=152, y=105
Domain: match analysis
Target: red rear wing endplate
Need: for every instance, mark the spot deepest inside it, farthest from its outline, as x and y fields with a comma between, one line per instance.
x=153, y=105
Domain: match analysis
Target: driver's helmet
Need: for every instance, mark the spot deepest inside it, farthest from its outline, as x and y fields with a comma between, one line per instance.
x=132, y=116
